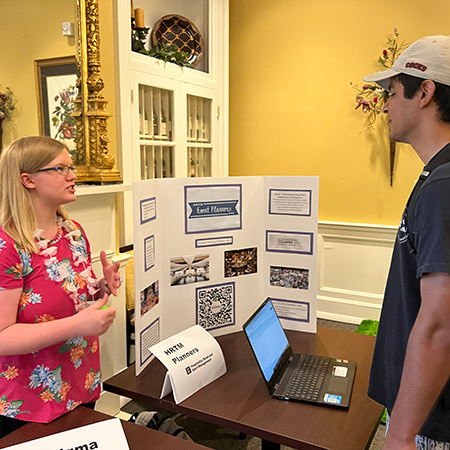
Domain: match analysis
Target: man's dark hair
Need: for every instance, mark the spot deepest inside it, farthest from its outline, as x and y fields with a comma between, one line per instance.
x=441, y=96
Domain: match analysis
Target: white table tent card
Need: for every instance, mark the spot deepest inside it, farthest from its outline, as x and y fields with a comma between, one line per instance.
x=103, y=435
x=193, y=359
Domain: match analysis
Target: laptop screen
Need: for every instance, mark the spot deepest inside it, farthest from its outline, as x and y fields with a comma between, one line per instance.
x=267, y=338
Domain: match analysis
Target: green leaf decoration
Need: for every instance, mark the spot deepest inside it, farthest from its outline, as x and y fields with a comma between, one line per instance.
x=65, y=348
x=16, y=404
x=57, y=371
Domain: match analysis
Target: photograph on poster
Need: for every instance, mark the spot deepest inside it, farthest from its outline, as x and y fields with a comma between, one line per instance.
x=149, y=297
x=289, y=277
x=148, y=337
x=290, y=202
x=289, y=242
x=215, y=306
x=241, y=262
x=189, y=269
x=212, y=208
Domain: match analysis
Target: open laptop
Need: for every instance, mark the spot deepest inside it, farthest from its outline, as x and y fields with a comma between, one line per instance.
x=296, y=376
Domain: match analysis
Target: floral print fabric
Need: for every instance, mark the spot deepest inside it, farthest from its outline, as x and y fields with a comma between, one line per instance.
x=56, y=283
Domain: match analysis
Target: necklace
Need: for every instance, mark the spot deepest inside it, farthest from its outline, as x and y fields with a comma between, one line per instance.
x=72, y=281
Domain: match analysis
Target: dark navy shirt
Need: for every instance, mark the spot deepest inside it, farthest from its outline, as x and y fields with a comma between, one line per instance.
x=422, y=246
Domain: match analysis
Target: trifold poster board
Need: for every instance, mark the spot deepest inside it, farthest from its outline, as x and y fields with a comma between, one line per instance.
x=208, y=251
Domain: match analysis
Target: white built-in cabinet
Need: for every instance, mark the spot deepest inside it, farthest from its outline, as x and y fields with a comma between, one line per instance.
x=172, y=120
x=177, y=126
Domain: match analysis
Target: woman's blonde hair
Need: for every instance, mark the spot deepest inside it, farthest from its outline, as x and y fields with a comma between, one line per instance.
x=26, y=155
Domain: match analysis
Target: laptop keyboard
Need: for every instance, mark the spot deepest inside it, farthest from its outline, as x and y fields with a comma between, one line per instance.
x=308, y=377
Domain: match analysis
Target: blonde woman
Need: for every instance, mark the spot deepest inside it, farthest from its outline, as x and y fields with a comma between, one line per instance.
x=49, y=355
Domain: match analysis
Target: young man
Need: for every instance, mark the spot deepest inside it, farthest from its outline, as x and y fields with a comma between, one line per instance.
x=411, y=362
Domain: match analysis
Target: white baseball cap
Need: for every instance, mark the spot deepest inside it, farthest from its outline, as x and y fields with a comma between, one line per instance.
x=427, y=58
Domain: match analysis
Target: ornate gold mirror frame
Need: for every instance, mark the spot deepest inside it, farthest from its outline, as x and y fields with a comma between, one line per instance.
x=93, y=161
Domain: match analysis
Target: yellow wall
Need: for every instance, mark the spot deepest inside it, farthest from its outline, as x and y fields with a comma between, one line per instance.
x=291, y=103
x=32, y=29
x=292, y=106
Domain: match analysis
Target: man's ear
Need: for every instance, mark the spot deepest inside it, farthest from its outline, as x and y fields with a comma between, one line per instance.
x=27, y=180
x=427, y=90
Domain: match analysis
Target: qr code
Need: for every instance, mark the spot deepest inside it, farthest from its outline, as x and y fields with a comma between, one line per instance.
x=215, y=306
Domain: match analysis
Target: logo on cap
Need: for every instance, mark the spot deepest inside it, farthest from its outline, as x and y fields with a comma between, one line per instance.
x=418, y=66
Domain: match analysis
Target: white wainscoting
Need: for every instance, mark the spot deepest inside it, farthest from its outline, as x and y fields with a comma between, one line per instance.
x=353, y=263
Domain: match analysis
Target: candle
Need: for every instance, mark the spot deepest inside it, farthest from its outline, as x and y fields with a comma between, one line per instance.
x=139, y=17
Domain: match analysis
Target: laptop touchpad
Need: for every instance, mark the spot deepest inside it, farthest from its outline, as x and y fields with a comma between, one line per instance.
x=338, y=384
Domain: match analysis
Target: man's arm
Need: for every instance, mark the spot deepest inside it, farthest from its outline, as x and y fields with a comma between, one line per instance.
x=427, y=363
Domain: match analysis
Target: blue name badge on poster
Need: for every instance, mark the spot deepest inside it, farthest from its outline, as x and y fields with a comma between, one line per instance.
x=216, y=208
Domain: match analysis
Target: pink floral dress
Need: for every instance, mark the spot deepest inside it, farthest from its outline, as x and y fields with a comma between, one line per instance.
x=56, y=283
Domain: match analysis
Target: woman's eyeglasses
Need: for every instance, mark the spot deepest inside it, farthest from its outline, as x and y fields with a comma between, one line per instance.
x=62, y=169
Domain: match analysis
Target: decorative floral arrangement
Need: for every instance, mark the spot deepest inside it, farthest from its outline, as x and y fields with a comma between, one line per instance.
x=7, y=103
x=170, y=53
x=371, y=97
x=166, y=52
x=62, y=118
x=138, y=40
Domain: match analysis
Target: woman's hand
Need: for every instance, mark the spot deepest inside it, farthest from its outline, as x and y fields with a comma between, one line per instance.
x=111, y=275
x=94, y=321
x=22, y=338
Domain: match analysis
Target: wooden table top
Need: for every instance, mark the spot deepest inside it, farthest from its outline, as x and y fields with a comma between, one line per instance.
x=239, y=399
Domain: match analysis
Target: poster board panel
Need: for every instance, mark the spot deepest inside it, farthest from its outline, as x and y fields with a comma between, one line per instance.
x=209, y=251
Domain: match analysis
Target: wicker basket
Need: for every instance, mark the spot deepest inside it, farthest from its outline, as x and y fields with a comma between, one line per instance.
x=180, y=31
